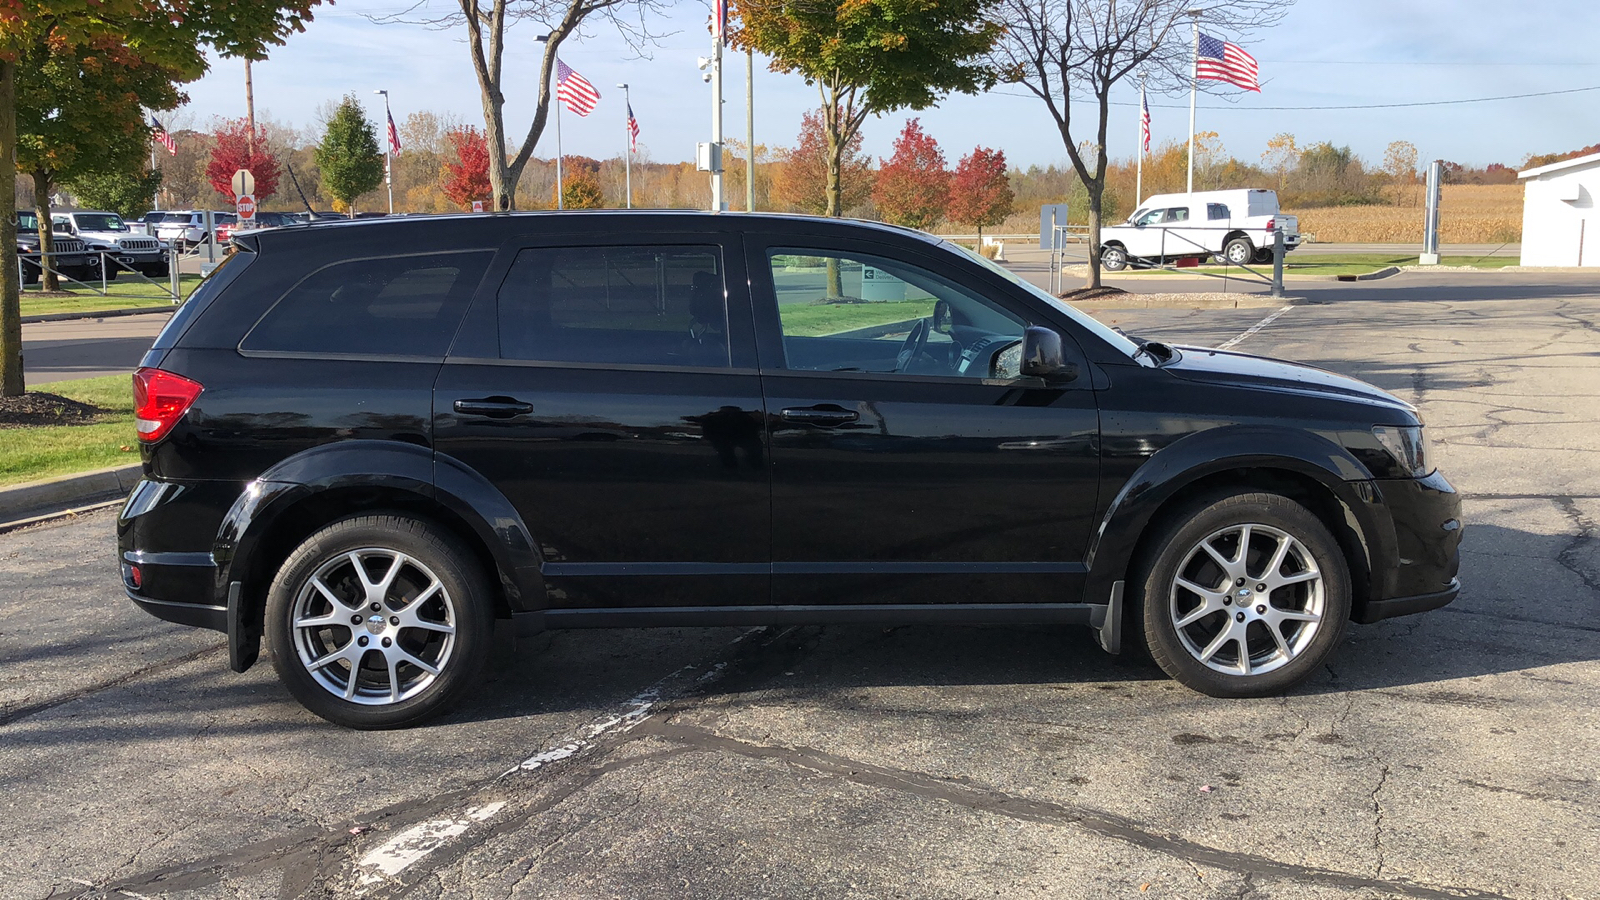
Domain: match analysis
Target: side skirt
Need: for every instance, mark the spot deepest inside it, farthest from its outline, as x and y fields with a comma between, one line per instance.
x=1098, y=615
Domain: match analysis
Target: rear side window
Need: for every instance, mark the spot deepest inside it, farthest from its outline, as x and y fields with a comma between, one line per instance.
x=394, y=306
x=1216, y=211
x=653, y=306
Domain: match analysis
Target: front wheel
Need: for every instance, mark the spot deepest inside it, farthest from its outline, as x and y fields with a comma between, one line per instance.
x=1244, y=595
x=1113, y=259
x=379, y=622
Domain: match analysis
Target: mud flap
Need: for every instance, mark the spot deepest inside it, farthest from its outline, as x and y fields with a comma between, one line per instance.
x=244, y=631
x=1107, y=621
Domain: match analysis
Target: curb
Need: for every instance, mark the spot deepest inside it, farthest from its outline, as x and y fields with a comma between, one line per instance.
x=1384, y=272
x=100, y=314
x=28, y=500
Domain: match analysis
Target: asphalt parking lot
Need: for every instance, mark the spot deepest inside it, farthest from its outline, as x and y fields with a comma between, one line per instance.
x=1444, y=755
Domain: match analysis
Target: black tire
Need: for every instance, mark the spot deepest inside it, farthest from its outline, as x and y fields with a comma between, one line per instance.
x=1262, y=257
x=388, y=690
x=30, y=274
x=1238, y=251
x=1203, y=650
x=1113, y=259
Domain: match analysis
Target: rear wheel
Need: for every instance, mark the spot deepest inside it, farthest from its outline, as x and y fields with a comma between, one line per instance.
x=379, y=622
x=1238, y=251
x=1113, y=259
x=1244, y=595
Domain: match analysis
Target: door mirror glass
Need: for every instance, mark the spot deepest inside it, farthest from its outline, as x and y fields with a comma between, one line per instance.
x=1043, y=357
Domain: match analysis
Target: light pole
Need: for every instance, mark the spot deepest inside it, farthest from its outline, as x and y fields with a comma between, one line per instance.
x=556, y=102
x=627, y=144
x=750, y=129
x=1194, y=86
x=388, y=146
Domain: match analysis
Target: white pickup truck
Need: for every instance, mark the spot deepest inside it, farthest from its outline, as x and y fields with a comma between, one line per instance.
x=1235, y=226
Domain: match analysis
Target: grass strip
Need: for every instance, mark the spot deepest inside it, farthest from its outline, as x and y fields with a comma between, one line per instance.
x=122, y=294
x=30, y=454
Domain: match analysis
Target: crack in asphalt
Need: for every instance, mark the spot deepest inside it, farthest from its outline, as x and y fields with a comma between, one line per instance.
x=1377, y=824
x=1586, y=537
x=31, y=709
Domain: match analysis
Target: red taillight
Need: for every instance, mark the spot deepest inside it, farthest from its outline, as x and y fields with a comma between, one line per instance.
x=159, y=400
x=1270, y=224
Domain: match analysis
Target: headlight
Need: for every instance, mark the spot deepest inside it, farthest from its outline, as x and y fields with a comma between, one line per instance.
x=1407, y=445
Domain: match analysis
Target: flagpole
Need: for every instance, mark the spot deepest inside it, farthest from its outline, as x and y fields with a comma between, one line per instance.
x=388, y=148
x=750, y=128
x=1138, y=179
x=559, y=201
x=157, y=199
x=627, y=143
x=1194, y=88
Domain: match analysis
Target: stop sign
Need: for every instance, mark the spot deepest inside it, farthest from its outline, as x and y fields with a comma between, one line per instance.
x=246, y=207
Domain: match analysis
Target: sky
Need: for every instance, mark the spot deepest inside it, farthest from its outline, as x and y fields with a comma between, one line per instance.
x=1323, y=53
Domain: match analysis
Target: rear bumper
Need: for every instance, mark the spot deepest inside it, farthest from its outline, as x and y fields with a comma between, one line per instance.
x=165, y=536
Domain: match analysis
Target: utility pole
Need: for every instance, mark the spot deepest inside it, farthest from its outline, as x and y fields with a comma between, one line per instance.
x=717, y=27
x=627, y=145
x=250, y=104
x=388, y=150
x=750, y=129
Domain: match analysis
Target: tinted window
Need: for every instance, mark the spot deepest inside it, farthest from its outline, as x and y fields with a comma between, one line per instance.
x=1215, y=211
x=100, y=222
x=663, y=306
x=1178, y=214
x=855, y=313
x=395, y=306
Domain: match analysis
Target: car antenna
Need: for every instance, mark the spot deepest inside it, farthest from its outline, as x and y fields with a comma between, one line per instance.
x=300, y=192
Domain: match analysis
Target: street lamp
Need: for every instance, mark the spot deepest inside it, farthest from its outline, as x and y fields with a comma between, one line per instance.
x=627, y=144
x=388, y=147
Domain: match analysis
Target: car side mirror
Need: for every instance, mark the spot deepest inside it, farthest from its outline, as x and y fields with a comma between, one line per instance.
x=943, y=319
x=1042, y=356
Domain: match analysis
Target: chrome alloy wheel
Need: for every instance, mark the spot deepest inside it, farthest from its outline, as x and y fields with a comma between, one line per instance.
x=374, y=626
x=1247, y=599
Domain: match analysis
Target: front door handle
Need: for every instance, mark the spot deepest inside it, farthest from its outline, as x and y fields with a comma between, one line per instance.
x=827, y=414
x=494, y=407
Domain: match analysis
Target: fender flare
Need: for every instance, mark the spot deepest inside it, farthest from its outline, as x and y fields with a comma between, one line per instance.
x=1229, y=448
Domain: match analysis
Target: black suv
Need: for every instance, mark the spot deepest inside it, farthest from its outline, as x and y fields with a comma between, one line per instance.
x=369, y=440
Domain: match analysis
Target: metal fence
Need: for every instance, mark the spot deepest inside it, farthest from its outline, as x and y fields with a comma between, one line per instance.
x=1175, y=246
x=33, y=263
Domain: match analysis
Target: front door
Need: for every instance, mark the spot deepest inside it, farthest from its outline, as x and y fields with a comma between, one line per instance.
x=910, y=463
x=608, y=389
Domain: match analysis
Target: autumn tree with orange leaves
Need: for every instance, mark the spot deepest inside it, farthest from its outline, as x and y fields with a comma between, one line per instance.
x=913, y=185
x=466, y=178
x=236, y=149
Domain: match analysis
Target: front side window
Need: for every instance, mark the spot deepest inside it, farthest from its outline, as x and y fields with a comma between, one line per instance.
x=845, y=312
x=649, y=306
x=1147, y=218
x=1177, y=214
x=391, y=306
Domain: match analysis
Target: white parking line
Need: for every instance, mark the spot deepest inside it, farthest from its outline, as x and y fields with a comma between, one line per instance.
x=1253, y=328
x=387, y=861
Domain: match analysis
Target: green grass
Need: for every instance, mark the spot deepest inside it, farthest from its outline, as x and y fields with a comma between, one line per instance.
x=124, y=293
x=816, y=320
x=29, y=454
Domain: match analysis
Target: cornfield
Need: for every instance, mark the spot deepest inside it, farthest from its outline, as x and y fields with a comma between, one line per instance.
x=1468, y=214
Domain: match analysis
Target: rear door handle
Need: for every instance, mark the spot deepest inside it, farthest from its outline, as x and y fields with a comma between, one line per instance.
x=828, y=414
x=494, y=407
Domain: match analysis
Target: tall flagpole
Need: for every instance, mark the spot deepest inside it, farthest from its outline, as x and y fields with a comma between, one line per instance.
x=627, y=144
x=1138, y=179
x=560, y=202
x=1194, y=88
x=750, y=129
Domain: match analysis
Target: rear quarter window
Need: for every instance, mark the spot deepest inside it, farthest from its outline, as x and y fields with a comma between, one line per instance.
x=389, y=306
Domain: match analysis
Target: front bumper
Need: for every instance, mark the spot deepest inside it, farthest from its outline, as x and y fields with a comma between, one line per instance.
x=1426, y=513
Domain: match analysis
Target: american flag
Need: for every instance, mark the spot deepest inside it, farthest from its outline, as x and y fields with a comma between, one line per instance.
x=161, y=137
x=719, y=18
x=574, y=90
x=394, y=135
x=633, y=129
x=1144, y=122
x=1220, y=60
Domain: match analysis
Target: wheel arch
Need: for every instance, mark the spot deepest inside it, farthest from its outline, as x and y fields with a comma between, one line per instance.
x=1307, y=468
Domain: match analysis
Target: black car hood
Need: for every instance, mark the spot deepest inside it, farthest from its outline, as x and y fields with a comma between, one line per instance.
x=1225, y=367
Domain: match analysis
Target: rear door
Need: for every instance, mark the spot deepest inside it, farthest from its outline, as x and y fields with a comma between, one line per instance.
x=607, y=386
x=902, y=471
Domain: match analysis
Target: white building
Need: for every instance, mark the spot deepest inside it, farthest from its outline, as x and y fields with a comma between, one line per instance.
x=1560, y=226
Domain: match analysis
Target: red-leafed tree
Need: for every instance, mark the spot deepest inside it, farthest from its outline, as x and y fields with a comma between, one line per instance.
x=980, y=191
x=801, y=183
x=235, y=150
x=466, y=177
x=913, y=185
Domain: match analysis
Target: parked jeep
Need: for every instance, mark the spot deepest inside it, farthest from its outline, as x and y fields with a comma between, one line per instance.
x=69, y=256
x=369, y=440
x=1235, y=226
x=122, y=247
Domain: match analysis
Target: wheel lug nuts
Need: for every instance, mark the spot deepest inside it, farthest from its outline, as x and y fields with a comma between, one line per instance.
x=1239, y=617
x=1261, y=610
x=376, y=607
x=394, y=620
x=361, y=641
x=1240, y=582
x=1261, y=587
x=1227, y=601
x=355, y=620
x=387, y=642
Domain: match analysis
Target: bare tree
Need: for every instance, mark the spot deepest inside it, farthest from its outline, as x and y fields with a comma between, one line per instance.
x=1079, y=50
x=1400, y=161
x=484, y=22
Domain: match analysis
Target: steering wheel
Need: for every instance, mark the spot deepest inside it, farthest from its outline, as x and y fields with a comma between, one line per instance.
x=912, y=348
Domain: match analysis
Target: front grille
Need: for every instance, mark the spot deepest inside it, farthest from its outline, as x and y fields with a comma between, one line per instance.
x=68, y=246
x=139, y=244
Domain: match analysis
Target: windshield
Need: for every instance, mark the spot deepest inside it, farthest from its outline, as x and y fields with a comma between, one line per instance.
x=27, y=222
x=1105, y=332
x=100, y=222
